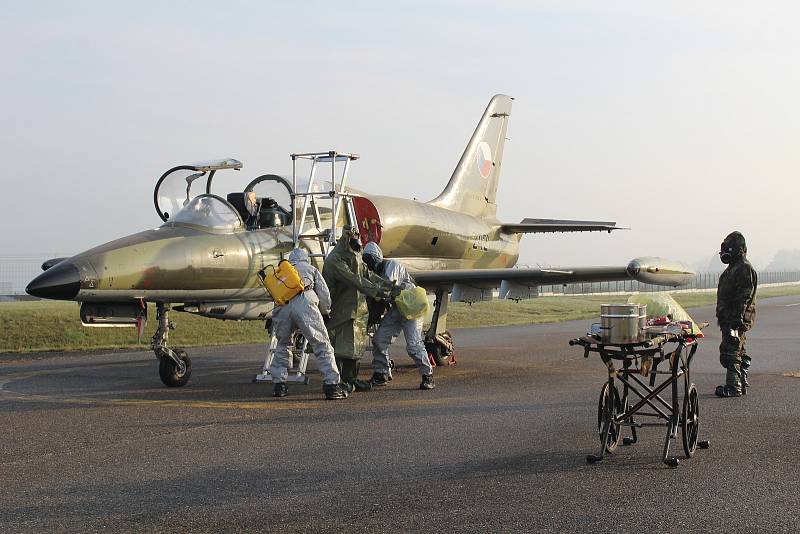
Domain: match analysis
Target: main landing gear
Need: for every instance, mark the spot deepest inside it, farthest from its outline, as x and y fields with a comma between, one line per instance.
x=174, y=365
x=438, y=341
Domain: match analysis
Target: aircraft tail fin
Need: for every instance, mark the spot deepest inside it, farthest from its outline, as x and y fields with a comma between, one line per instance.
x=473, y=186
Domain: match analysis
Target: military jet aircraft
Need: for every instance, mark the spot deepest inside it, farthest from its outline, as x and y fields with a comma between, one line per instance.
x=205, y=256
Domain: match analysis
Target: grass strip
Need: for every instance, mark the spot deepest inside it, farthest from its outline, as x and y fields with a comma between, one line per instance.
x=557, y=309
x=55, y=326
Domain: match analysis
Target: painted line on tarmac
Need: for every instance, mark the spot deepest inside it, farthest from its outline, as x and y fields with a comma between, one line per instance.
x=790, y=305
x=270, y=405
x=7, y=392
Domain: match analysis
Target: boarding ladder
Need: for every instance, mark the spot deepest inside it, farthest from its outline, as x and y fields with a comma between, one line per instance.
x=317, y=234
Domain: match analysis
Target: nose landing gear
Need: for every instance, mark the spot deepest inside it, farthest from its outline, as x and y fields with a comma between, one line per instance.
x=174, y=366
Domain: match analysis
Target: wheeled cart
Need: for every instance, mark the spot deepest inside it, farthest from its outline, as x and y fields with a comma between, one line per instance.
x=642, y=383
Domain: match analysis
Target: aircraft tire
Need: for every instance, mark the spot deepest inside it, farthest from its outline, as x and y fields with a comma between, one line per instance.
x=169, y=373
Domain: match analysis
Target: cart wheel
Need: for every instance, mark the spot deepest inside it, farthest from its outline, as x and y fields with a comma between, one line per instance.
x=608, y=407
x=690, y=420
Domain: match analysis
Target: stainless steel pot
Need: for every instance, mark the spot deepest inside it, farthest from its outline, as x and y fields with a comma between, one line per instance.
x=622, y=323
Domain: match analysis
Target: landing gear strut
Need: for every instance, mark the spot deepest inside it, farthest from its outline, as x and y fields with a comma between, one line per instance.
x=438, y=341
x=174, y=366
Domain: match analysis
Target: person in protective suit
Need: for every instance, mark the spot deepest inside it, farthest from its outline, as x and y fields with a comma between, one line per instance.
x=304, y=312
x=394, y=322
x=736, y=311
x=349, y=280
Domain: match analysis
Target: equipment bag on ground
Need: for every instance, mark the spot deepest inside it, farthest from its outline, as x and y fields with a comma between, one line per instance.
x=283, y=283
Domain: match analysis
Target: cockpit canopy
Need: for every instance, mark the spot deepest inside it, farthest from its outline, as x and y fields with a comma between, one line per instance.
x=209, y=212
x=180, y=184
x=183, y=196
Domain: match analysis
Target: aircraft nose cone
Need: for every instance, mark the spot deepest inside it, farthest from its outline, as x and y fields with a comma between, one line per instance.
x=60, y=282
x=633, y=268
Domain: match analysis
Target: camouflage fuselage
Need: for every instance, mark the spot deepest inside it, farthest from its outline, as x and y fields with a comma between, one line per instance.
x=183, y=263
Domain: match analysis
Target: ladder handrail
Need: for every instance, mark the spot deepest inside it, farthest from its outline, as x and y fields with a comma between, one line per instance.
x=337, y=195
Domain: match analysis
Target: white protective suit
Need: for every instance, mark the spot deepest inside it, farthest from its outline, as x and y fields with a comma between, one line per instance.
x=393, y=322
x=304, y=312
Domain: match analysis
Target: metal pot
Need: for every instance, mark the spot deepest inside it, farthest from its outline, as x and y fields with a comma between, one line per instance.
x=622, y=323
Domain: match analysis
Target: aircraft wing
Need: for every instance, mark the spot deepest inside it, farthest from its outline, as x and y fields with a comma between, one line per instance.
x=648, y=269
x=493, y=278
x=533, y=226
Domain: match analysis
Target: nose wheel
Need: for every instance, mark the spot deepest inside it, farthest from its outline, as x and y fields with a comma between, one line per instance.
x=175, y=373
x=174, y=365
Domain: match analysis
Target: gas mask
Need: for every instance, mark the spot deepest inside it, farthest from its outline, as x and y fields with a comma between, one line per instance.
x=371, y=262
x=733, y=247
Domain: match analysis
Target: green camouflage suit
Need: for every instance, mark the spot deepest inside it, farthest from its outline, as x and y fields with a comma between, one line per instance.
x=349, y=280
x=736, y=309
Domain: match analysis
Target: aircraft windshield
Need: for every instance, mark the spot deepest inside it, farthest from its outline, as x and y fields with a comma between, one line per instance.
x=178, y=188
x=208, y=211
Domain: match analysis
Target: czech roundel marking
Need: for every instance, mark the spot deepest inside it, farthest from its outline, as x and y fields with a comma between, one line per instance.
x=483, y=159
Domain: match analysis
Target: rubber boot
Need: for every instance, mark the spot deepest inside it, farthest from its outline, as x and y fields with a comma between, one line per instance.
x=279, y=389
x=427, y=382
x=379, y=379
x=733, y=377
x=733, y=386
x=745, y=372
x=334, y=391
x=361, y=385
x=727, y=391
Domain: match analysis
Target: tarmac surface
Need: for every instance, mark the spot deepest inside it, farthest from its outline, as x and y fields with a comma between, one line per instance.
x=94, y=442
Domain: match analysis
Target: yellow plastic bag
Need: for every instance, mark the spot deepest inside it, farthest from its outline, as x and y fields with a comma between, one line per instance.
x=283, y=283
x=662, y=304
x=412, y=303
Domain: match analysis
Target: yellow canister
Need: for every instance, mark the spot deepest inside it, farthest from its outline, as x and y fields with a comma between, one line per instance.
x=283, y=282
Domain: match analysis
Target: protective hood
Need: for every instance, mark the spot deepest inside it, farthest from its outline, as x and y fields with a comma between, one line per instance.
x=736, y=241
x=342, y=248
x=733, y=247
x=372, y=249
x=298, y=255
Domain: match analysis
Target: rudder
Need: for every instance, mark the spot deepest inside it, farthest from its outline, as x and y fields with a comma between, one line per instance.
x=473, y=186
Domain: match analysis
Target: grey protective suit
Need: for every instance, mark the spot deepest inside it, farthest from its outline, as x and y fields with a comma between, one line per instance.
x=304, y=312
x=393, y=322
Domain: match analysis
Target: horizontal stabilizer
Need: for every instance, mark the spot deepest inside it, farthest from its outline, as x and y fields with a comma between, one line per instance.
x=535, y=226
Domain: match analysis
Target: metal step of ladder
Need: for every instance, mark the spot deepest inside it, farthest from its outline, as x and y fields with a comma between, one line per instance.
x=325, y=237
x=297, y=374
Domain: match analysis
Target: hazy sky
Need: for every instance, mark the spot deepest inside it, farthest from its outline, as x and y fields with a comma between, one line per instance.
x=679, y=120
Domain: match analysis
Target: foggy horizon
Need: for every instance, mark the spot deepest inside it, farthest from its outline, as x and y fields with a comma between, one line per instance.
x=676, y=122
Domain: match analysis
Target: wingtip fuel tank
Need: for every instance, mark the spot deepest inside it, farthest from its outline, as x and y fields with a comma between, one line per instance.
x=660, y=271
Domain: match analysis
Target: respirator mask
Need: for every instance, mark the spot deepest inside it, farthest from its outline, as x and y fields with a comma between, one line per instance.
x=371, y=262
x=725, y=254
